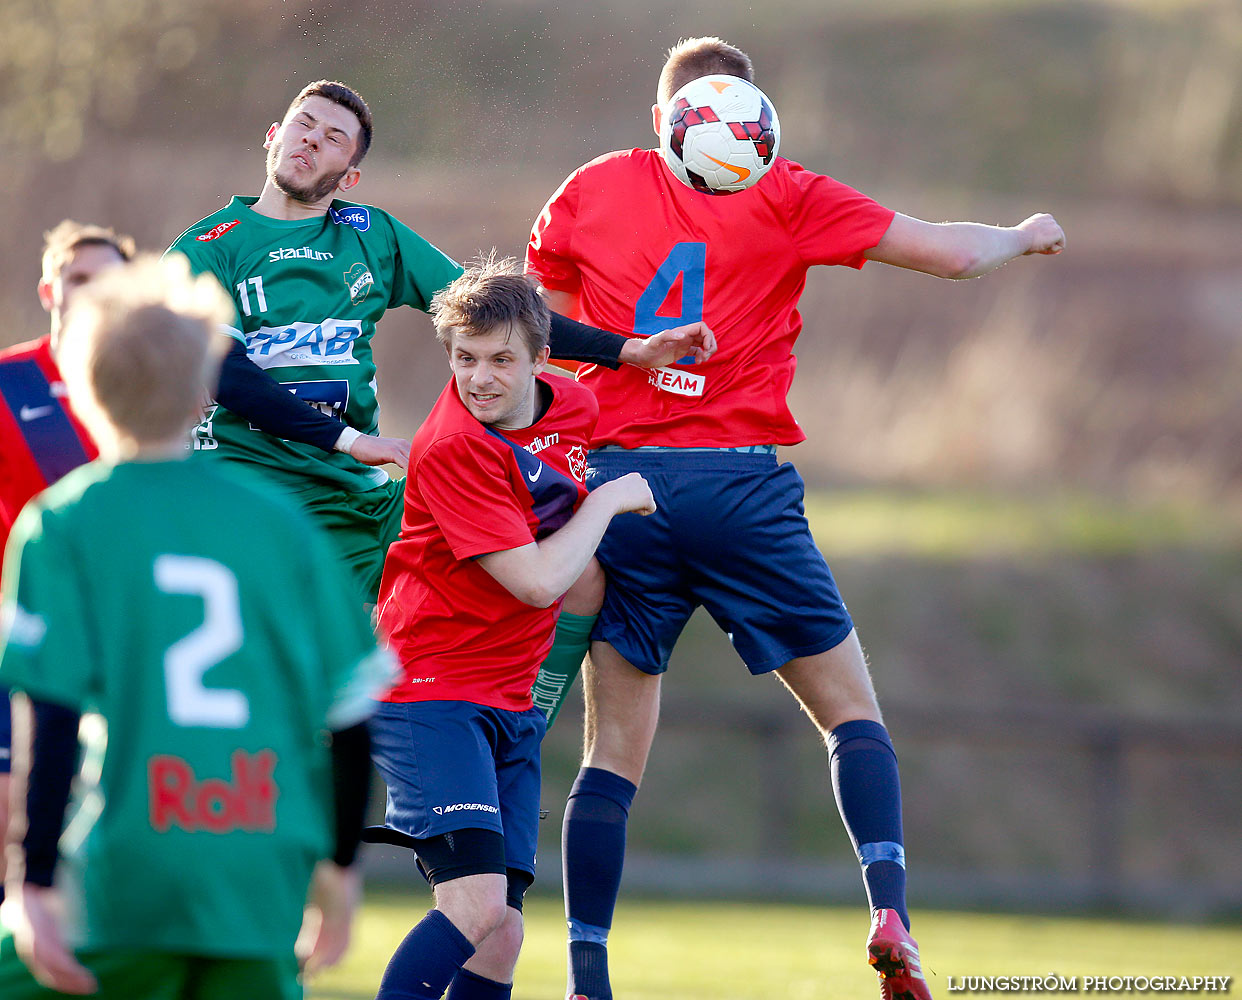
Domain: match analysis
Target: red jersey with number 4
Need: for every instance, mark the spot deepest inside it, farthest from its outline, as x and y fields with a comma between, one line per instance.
x=471, y=490
x=644, y=252
x=40, y=438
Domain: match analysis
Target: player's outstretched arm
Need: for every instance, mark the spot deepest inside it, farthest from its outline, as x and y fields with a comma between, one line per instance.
x=669, y=347
x=250, y=392
x=694, y=340
x=539, y=573
x=964, y=249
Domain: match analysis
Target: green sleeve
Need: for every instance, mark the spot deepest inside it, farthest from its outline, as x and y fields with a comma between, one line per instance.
x=419, y=269
x=44, y=627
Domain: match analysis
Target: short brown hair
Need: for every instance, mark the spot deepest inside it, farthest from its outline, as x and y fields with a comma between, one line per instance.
x=493, y=292
x=350, y=100
x=692, y=58
x=140, y=348
x=63, y=240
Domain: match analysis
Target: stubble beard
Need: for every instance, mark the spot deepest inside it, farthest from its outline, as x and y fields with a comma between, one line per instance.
x=307, y=194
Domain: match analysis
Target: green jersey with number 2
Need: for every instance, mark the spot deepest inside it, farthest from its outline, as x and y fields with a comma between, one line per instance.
x=211, y=662
x=308, y=294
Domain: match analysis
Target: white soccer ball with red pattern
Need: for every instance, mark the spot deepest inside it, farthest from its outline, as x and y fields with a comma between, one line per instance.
x=719, y=134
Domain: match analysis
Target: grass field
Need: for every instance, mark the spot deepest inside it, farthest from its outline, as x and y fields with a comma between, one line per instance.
x=745, y=951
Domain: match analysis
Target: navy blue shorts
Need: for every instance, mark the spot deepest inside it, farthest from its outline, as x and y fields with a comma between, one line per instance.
x=455, y=765
x=731, y=535
x=6, y=732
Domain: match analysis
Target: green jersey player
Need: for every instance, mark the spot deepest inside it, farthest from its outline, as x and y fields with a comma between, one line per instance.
x=213, y=663
x=310, y=274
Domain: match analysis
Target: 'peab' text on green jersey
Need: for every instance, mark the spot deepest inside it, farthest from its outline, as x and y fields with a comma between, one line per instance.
x=308, y=294
x=212, y=629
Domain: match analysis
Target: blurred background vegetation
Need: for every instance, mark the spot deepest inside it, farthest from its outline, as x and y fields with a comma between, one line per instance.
x=1029, y=486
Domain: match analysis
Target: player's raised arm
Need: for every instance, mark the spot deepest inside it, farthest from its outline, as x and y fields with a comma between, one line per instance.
x=964, y=249
x=693, y=340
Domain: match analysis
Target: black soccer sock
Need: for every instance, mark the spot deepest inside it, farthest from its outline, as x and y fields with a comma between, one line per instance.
x=426, y=961
x=467, y=985
x=593, y=853
x=867, y=786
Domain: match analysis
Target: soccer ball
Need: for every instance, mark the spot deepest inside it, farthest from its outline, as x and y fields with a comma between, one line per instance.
x=719, y=134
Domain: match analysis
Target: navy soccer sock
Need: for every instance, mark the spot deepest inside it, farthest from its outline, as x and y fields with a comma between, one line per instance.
x=868, y=790
x=426, y=961
x=593, y=853
x=469, y=985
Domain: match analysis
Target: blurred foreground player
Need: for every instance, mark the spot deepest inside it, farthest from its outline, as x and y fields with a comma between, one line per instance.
x=216, y=662
x=496, y=529
x=40, y=436
x=620, y=241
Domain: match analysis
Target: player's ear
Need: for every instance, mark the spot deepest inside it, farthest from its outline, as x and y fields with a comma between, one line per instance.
x=271, y=134
x=352, y=176
x=541, y=359
x=45, y=295
x=657, y=118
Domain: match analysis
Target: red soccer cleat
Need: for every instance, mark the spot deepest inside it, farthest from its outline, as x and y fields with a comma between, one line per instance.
x=894, y=955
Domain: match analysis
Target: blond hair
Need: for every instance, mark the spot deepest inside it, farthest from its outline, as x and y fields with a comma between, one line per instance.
x=64, y=239
x=692, y=58
x=140, y=349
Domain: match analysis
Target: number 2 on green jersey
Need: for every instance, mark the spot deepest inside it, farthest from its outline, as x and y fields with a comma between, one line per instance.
x=190, y=702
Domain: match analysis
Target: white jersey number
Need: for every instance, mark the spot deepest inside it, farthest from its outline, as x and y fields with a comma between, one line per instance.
x=243, y=295
x=190, y=703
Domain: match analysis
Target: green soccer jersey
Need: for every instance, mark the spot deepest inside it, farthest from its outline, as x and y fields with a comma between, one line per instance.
x=308, y=294
x=210, y=634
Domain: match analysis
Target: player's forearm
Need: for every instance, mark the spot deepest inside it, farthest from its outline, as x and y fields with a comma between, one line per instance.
x=574, y=341
x=978, y=248
x=539, y=574
x=251, y=393
x=45, y=750
x=963, y=249
x=351, y=783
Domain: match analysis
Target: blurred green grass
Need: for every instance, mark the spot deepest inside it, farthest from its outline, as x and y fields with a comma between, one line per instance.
x=738, y=951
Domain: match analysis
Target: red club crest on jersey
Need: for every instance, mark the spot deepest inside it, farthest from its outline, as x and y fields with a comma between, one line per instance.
x=220, y=230
x=576, y=456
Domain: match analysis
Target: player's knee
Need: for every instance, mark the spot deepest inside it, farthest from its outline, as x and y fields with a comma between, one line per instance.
x=506, y=940
x=476, y=911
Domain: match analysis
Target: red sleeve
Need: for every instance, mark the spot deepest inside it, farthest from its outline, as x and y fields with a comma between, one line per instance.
x=830, y=222
x=464, y=481
x=19, y=476
x=548, y=252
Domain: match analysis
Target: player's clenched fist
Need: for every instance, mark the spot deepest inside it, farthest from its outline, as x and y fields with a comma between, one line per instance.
x=1045, y=232
x=632, y=494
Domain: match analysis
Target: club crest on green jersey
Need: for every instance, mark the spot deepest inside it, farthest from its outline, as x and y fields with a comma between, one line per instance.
x=359, y=281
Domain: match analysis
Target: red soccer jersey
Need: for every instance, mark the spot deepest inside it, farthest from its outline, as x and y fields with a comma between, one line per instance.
x=645, y=253
x=40, y=437
x=471, y=490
